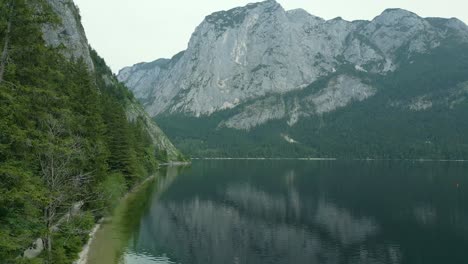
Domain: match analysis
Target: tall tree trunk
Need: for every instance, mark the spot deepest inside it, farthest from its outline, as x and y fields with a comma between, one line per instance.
x=49, y=243
x=3, y=58
x=48, y=236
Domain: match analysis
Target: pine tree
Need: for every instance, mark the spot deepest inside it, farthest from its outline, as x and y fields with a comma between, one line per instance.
x=64, y=135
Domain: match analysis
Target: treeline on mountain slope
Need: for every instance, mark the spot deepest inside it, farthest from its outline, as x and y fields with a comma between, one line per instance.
x=382, y=126
x=64, y=138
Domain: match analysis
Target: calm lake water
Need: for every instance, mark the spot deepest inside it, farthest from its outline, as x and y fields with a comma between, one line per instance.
x=293, y=212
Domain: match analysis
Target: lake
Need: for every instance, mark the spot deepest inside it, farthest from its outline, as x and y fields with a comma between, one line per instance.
x=284, y=211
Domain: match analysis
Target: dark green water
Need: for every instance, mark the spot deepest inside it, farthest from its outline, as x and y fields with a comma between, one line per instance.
x=302, y=212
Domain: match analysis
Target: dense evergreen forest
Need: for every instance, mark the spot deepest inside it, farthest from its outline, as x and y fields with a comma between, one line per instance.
x=65, y=141
x=382, y=126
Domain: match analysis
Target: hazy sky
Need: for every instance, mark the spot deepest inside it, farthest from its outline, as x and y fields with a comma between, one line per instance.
x=126, y=32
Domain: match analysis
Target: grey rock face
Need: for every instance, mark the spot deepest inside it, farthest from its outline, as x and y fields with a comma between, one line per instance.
x=259, y=51
x=339, y=92
x=258, y=113
x=69, y=32
x=159, y=139
x=71, y=35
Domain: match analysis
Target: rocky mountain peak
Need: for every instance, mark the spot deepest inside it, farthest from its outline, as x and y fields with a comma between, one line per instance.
x=398, y=16
x=397, y=13
x=232, y=18
x=457, y=23
x=247, y=53
x=301, y=15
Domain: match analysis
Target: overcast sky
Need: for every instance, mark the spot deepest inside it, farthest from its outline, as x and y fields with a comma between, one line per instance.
x=126, y=32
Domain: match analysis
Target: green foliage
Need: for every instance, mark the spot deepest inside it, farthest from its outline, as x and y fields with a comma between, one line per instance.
x=71, y=237
x=64, y=138
x=20, y=196
x=369, y=129
x=132, y=150
x=109, y=191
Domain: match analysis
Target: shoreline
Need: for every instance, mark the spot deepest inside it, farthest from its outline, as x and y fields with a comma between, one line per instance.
x=264, y=159
x=337, y=159
x=83, y=255
x=179, y=163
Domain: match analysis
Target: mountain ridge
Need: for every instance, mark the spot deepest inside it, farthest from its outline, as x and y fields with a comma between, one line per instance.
x=258, y=74
x=230, y=55
x=301, y=10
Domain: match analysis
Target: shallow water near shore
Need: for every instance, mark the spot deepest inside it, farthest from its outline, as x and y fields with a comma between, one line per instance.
x=254, y=211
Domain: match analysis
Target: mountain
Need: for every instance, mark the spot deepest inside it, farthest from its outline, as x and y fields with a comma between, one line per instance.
x=73, y=139
x=262, y=81
x=69, y=35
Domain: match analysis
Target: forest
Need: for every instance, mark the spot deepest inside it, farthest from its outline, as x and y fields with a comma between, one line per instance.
x=381, y=127
x=65, y=140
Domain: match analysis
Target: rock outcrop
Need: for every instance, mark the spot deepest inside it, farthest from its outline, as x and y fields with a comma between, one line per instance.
x=69, y=36
x=244, y=55
x=69, y=32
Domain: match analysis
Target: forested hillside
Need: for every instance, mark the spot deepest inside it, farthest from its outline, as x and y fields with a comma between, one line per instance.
x=418, y=111
x=262, y=81
x=71, y=137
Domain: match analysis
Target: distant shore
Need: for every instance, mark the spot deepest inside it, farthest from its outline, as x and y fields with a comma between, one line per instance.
x=176, y=163
x=337, y=159
x=264, y=159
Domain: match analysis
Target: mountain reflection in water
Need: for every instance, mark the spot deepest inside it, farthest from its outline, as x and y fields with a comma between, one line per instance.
x=306, y=212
